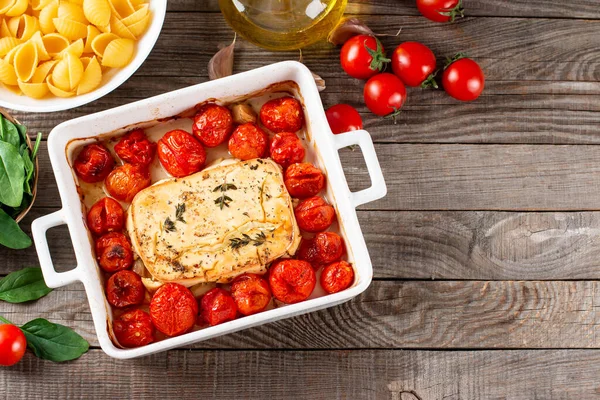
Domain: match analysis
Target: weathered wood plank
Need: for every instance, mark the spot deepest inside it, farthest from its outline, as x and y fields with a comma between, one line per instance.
x=395, y=314
x=373, y=374
x=438, y=245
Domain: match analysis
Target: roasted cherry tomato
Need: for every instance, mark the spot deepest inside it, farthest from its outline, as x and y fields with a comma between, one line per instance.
x=114, y=252
x=106, y=215
x=173, y=309
x=337, y=277
x=441, y=10
x=384, y=94
x=135, y=148
x=282, y=115
x=93, y=163
x=217, y=306
x=343, y=118
x=134, y=329
x=248, y=141
x=12, y=345
x=212, y=125
x=124, y=182
x=124, y=288
x=286, y=149
x=414, y=64
x=292, y=280
x=324, y=248
x=463, y=79
x=251, y=293
x=304, y=180
x=180, y=153
x=314, y=214
x=362, y=56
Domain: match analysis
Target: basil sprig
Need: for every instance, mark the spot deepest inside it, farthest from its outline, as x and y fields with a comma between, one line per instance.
x=24, y=285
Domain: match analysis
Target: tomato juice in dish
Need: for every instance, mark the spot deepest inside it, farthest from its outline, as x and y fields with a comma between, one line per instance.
x=200, y=237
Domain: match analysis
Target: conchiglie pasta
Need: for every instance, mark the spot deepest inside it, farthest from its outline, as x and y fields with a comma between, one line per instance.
x=137, y=16
x=101, y=41
x=39, y=42
x=71, y=12
x=92, y=32
x=55, y=43
x=34, y=90
x=70, y=29
x=42, y=71
x=18, y=8
x=4, y=31
x=92, y=76
x=67, y=73
x=47, y=15
x=6, y=5
x=57, y=91
x=7, y=73
x=38, y=5
x=26, y=61
x=97, y=11
x=122, y=8
x=138, y=28
x=7, y=44
x=75, y=48
x=118, y=28
x=118, y=53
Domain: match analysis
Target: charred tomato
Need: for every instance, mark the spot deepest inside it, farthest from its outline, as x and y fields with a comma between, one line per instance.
x=292, y=281
x=283, y=114
x=135, y=148
x=286, y=149
x=93, y=163
x=124, y=288
x=324, y=248
x=134, y=329
x=114, y=252
x=304, y=180
x=106, y=215
x=124, y=182
x=337, y=277
x=173, y=309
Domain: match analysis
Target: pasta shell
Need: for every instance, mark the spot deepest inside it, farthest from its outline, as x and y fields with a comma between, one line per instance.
x=26, y=61
x=17, y=9
x=14, y=89
x=47, y=15
x=41, y=48
x=92, y=32
x=4, y=31
x=97, y=11
x=72, y=12
x=34, y=90
x=42, y=71
x=67, y=73
x=78, y=2
x=75, y=48
x=137, y=3
x=122, y=8
x=38, y=5
x=137, y=16
x=7, y=44
x=118, y=28
x=118, y=53
x=6, y=5
x=55, y=43
x=72, y=30
x=26, y=26
x=56, y=91
x=101, y=41
x=140, y=27
x=7, y=73
x=11, y=54
x=92, y=77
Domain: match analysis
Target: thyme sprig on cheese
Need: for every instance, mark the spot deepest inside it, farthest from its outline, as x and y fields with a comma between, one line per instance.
x=223, y=200
x=245, y=240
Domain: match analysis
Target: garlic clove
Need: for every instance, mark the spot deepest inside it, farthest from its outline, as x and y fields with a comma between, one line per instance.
x=221, y=64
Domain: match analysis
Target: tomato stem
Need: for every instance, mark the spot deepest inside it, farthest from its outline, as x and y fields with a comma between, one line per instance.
x=430, y=81
x=394, y=114
x=379, y=60
x=457, y=10
x=5, y=320
x=456, y=57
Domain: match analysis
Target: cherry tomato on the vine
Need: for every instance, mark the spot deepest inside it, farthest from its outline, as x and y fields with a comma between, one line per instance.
x=463, y=79
x=343, y=118
x=362, y=56
x=441, y=10
x=12, y=344
x=414, y=64
x=384, y=94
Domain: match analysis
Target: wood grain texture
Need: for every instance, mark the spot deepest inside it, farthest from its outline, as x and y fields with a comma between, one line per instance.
x=374, y=374
x=396, y=314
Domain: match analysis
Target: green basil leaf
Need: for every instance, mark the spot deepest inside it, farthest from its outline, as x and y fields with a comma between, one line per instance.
x=12, y=175
x=53, y=342
x=36, y=146
x=11, y=234
x=24, y=285
x=10, y=133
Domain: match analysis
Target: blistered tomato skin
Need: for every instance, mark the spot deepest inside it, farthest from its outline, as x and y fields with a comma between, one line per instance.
x=106, y=215
x=247, y=142
x=282, y=115
x=124, y=288
x=304, y=180
x=251, y=293
x=217, y=306
x=286, y=149
x=93, y=163
x=324, y=248
x=134, y=329
x=292, y=281
x=314, y=214
x=12, y=344
x=180, y=153
x=124, y=182
x=135, y=148
x=173, y=309
x=114, y=252
x=337, y=277
x=212, y=125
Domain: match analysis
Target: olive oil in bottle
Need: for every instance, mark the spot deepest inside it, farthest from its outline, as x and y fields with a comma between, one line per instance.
x=283, y=24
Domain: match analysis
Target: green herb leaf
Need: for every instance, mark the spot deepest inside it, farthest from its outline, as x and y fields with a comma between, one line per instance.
x=169, y=225
x=23, y=132
x=10, y=134
x=11, y=234
x=36, y=146
x=29, y=169
x=12, y=175
x=53, y=342
x=24, y=285
x=179, y=210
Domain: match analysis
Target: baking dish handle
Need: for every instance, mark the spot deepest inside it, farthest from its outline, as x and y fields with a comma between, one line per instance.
x=39, y=227
x=378, y=189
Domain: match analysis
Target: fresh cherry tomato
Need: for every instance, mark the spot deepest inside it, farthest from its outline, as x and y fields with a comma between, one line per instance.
x=212, y=125
x=114, y=252
x=441, y=10
x=362, y=56
x=12, y=345
x=283, y=114
x=324, y=248
x=134, y=329
x=173, y=309
x=314, y=214
x=93, y=163
x=343, y=118
x=384, y=94
x=251, y=293
x=304, y=180
x=124, y=288
x=292, y=280
x=337, y=277
x=124, y=182
x=106, y=215
x=414, y=64
x=180, y=153
x=135, y=148
x=286, y=149
x=248, y=141
x=463, y=79
x=217, y=306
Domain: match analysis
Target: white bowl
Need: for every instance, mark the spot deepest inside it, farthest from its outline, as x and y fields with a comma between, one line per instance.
x=110, y=81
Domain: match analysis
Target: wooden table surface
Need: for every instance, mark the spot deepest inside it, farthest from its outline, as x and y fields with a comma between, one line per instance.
x=486, y=250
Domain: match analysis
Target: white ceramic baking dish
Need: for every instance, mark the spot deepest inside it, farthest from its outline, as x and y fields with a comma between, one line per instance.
x=325, y=143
